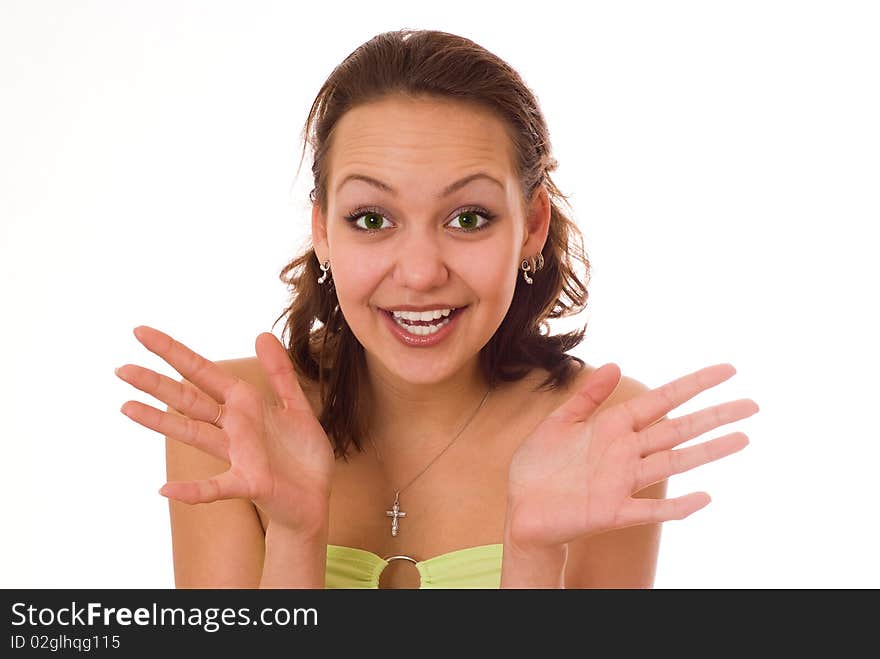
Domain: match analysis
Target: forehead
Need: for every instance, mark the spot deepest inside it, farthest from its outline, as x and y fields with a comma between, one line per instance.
x=420, y=137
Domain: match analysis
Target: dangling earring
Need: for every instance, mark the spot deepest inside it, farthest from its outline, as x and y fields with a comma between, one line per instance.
x=533, y=267
x=325, y=268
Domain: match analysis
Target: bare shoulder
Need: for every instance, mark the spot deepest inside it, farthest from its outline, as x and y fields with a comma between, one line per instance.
x=250, y=370
x=526, y=403
x=628, y=387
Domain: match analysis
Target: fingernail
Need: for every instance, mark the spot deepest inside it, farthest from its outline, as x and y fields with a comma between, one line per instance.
x=116, y=370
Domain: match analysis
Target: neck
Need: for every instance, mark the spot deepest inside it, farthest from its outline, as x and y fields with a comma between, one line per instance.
x=414, y=420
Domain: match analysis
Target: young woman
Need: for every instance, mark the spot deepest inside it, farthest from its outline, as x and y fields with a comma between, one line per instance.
x=417, y=428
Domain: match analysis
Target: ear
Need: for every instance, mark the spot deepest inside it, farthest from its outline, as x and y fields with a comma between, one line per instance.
x=537, y=223
x=319, y=233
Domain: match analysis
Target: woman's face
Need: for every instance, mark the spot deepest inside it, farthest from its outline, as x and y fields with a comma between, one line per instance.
x=411, y=242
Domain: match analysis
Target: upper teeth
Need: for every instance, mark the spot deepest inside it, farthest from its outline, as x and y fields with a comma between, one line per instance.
x=422, y=315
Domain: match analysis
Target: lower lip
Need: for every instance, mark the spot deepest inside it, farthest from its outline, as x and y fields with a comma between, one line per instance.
x=415, y=341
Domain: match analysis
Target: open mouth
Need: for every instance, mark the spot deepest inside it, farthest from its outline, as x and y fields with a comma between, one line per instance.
x=437, y=322
x=423, y=332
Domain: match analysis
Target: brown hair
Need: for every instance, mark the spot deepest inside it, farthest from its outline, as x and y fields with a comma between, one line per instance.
x=428, y=63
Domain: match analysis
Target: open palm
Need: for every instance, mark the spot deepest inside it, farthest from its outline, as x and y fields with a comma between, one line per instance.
x=278, y=453
x=576, y=473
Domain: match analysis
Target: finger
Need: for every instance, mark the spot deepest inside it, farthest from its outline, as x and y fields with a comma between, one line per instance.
x=659, y=466
x=651, y=511
x=646, y=408
x=672, y=432
x=590, y=395
x=184, y=397
x=222, y=486
x=280, y=373
x=201, y=435
x=205, y=374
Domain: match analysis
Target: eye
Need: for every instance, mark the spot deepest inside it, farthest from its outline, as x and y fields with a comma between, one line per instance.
x=468, y=219
x=471, y=216
x=374, y=219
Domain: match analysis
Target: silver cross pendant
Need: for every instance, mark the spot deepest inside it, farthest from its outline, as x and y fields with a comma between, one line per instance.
x=395, y=513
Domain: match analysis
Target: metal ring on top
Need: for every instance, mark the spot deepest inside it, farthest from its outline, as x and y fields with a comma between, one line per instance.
x=401, y=557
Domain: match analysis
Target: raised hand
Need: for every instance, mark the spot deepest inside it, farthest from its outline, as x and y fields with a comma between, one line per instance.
x=575, y=474
x=278, y=453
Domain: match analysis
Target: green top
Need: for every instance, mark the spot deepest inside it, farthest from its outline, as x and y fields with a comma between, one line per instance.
x=472, y=567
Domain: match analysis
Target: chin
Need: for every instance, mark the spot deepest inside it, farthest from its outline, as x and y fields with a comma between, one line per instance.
x=420, y=372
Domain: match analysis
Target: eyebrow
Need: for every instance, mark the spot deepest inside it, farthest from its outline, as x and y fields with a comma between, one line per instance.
x=445, y=193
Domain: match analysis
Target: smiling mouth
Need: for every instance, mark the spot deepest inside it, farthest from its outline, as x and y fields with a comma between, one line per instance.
x=424, y=323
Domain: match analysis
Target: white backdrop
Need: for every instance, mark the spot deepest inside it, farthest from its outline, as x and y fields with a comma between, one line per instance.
x=721, y=159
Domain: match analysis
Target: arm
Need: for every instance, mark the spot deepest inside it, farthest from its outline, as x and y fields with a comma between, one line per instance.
x=592, y=478
x=222, y=544
x=619, y=558
x=214, y=545
x=294, y=560
x=623, y=558
x=576, y=474
x=524, y=567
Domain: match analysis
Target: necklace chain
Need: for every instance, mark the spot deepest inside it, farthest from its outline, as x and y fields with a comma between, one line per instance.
x=437, y=457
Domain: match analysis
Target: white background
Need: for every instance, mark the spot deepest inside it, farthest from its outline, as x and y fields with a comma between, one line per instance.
x=721, y=159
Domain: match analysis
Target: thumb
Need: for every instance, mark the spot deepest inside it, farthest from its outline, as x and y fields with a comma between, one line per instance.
x=280, y=372
x=590, y=394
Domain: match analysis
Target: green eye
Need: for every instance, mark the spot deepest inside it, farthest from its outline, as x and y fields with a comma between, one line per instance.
x=467, y=219
x=470, y=222
x=373, y=221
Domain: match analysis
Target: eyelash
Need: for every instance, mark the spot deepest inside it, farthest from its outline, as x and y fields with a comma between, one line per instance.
x=372, y=210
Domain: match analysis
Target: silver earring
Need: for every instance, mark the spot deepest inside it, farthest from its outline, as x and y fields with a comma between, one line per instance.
x=325, y=268
x=533, y=267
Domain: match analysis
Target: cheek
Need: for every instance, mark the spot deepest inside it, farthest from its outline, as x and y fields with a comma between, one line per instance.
x=491, y=277
x=355, y=278
x=353, y=266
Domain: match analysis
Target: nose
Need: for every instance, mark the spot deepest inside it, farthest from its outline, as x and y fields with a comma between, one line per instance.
x=420, y=264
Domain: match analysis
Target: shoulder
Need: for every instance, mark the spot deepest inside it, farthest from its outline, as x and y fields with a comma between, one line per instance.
x=246, y=368
x=627, y=388
x=528, y=401
x=251, y=371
